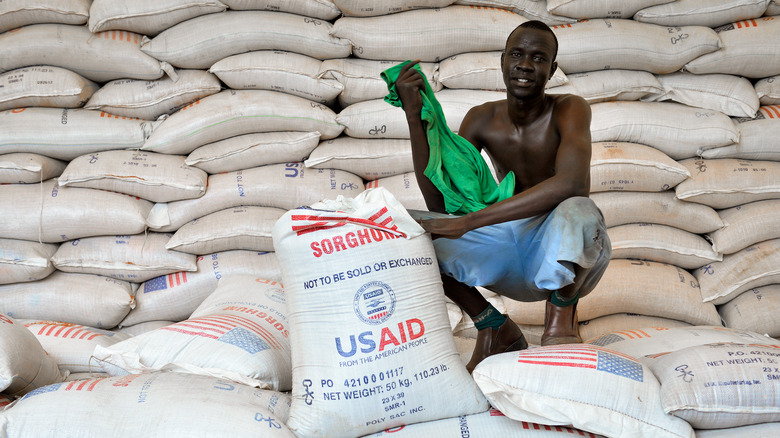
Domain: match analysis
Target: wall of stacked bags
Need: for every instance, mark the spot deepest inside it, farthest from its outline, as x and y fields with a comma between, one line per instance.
x=148, y=149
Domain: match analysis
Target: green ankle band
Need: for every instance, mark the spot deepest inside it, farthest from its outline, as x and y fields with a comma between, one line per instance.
x=559, y=301
x=490, y=317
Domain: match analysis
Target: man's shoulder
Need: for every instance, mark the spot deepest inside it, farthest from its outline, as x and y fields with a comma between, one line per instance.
x=567, y=100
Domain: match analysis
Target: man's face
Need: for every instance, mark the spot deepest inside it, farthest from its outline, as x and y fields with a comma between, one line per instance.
x=527, y=63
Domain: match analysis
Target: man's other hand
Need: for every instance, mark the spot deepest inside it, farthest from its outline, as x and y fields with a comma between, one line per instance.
x=448, y=228
x=408, y=86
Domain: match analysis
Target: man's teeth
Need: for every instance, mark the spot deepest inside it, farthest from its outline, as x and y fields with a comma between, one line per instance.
x=522, y=81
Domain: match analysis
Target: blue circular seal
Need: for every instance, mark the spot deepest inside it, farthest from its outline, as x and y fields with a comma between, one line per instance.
x=276, y=295
x=374, y=302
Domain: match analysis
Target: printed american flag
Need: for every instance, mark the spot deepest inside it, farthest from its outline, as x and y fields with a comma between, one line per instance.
x=619, y=336
x=584, y=356
x=307, y=223
x=71, y=331
x=232, y=329
x=165, y=282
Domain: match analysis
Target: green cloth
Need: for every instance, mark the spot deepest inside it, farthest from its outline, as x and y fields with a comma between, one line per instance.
x=455, y=166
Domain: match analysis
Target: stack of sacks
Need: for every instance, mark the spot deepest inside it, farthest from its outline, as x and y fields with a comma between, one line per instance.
x=719, y=380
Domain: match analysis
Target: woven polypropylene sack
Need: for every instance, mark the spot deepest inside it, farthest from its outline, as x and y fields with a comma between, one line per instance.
x=610, y=85
x=702, y=12
x=287, y=72
x=746, y=225
x=404, y=188
x=675, y=129
x=662, y=244
x=758, y=138
x=599, y=8
x=86, y=299
x=370, y=8
x=100, y=57
x=715, y=386
x=147, y=17
x=368, y=320
x=625, y=323
x=652, y=341
x=134, y=258
x=754, y=310
x=200, y=42
x=44, y=86
x=324, y=9
x=728, y=182
x=530, y=9
x=253, y=150
x=148, y=175
x=620, y=208
x=757, y=430
x=768, y=90
x=754, y=266
x=239, y=332
x=248, y=228
x=65, y=134
x=24, y=168
x=174, y=297
x=484, y=425
x=161, y=404
x=236, y=112
x=361, y=77
x=617, y=166
x=428, y=34
x=23, y=260
x=149, y=100
x=368, y=158
x=591, y=388
x=634, y=286
x=18, y=13
x=745, y=51
x=285, y=186
x=72, y=345
x=482, y=71
x=47, y=212
x=24, y=364
x=729, y=94
x=605, y=44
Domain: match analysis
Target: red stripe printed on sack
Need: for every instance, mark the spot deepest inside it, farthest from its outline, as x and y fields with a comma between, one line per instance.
x=770, y=111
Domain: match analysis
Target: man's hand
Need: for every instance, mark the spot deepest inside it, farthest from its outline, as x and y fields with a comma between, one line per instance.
x=448, y=228
x=408, y=86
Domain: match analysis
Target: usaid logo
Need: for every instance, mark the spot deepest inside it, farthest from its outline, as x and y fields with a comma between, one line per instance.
x=276, y=295
x=374, y=302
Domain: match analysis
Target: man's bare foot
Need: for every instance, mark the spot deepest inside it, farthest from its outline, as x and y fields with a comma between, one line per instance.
x=561, y=325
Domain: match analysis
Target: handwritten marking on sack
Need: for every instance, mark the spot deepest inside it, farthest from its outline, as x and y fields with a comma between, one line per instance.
x=271, y=421
x=685, y=374
x=308, y=395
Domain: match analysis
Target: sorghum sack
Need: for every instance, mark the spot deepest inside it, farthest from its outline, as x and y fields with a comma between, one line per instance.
x=618, y=166
x=368, y=320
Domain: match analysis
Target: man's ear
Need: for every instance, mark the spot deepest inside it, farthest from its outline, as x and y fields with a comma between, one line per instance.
x=502, y=59
x=553, y=68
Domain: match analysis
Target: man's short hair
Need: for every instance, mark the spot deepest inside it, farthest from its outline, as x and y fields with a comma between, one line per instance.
x=538, y=25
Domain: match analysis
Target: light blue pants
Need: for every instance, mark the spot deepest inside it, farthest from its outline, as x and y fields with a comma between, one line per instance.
x=528, y=259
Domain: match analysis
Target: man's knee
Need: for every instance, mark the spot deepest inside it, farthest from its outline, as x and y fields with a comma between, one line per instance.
x=581, y=210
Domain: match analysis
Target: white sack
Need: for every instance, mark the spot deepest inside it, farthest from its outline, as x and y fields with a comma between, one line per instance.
x=135, y=258
x=755, y=266
x=324, y=9
x=630, y=324
x=768, y=90
x=370, y=8
x=747, y=224
x=620, y=208
x=728, y=182
x=24, y=364
x=68, y=133
x=149, y=100
x=617, y=166
x=754, y=310
x=610, y=85
x=428, y=34
x=662, y=244
x=18, y=13
x=368, y=320
x=275, y=70
x=49, y=213
x=599, y=8
x=100, y=57
x=728, y=94
x=84, y=299
x=44, y=86
x=253, y=150
x=530, y=9
x=174, y=297
x=247, y=227
x=404, y=188
x=200, y=42
x=230, y=113
x=147, y=17
x=677, y=130
x=148, y=175
x=23, y=260
x=24, y=168
x=284, y=186
x=368, y=158
x=710, y=13
x=759, y=138
x=239, y=333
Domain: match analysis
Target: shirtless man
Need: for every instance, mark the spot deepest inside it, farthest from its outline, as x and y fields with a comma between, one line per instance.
x=548, y=241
